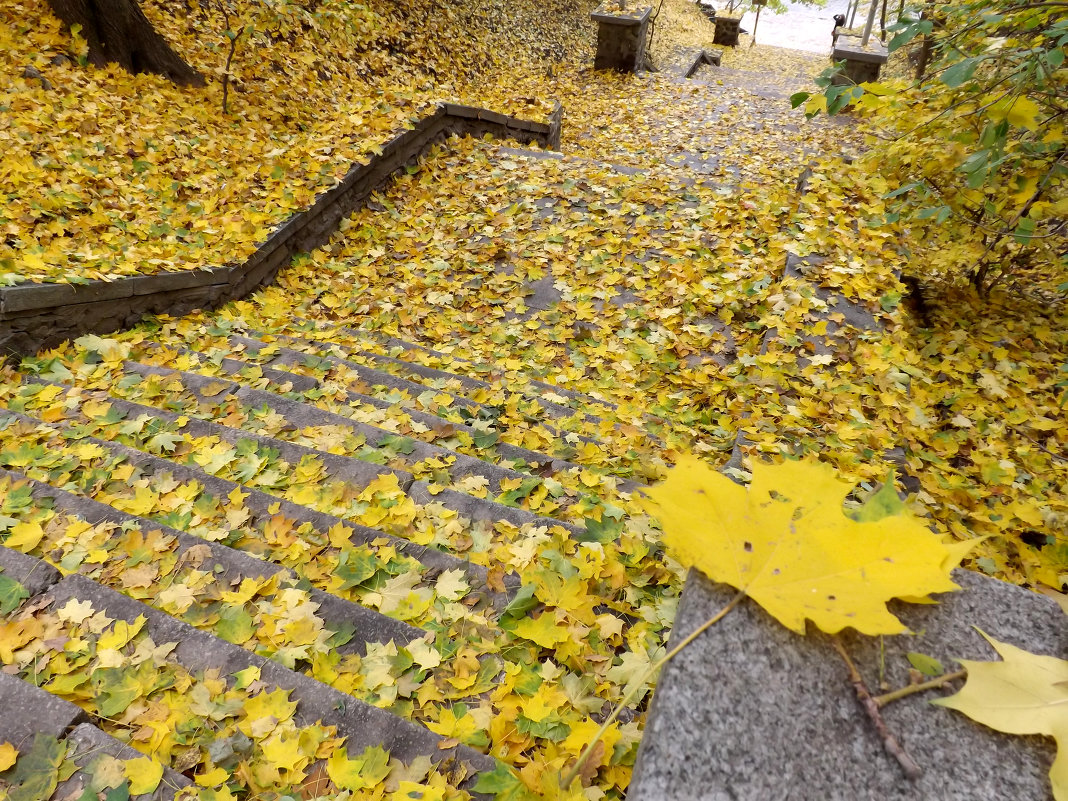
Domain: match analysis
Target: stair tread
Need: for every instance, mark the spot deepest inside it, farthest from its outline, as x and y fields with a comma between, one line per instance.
x=227, y=565
x=197, y=651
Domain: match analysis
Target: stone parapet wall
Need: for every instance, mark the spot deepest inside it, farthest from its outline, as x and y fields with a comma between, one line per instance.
x=38, y=316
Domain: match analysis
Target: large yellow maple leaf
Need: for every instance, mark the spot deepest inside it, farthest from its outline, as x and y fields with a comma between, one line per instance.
x=786, y=541
x=1023, y=694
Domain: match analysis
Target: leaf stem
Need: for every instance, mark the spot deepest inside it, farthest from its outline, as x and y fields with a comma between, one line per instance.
x=890, y=743
x=635, y=686
x=912, y=689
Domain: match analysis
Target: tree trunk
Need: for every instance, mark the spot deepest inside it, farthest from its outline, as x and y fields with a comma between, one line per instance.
x=118, y=31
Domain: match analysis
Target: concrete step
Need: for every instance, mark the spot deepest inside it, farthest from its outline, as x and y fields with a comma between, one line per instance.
x=178, y=554
x=433, y=473
x=493, y=433
x=317, y=704
x=91, y=749
x=377, y=369
x=767, y=86
x=218, y=509
x=321, y=482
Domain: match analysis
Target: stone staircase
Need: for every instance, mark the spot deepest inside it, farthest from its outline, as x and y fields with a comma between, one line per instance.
x=328, y=513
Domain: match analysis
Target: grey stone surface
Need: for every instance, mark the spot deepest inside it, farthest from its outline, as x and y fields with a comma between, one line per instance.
x=29, y=571
x=751, y=711
x=88, y=744
x=28, y=710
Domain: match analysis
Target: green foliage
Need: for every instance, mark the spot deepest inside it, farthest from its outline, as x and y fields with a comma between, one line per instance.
x=975, y=147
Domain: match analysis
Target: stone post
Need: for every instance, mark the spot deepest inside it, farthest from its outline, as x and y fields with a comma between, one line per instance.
x=621, y=39
x=862, y=63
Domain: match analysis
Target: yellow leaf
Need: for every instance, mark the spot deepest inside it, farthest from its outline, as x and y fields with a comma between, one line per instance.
x=366, y=771
x=414, y=791
x=283, y=751
x=121, y=633
x=8, y=754
x=1023, y=694
x=212, y=778
x=24, y=536
x=1019, y=111
x=542, y=630
x=265, y=711
x=144, y=774
x=787, y=543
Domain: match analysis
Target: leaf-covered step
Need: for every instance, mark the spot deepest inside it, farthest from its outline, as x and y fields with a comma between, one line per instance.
x=243, y=601
x=318, y=546
x=403, y=353
x=295, y=471
x=497, y=425
x=226, y=713
x=357, y=354
x=486, y=408
x=314, y=381
x=429, y=357
x=393, y=500
x=57, y=754
x=166, y=567
x=99, y=757
x=343, y=439
x=504, y=437
x=342, y=448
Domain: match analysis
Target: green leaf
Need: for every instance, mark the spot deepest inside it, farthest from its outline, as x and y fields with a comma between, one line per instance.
x=603, y=531
x=1025, y=229
x=910, y=33
x=485, y=439
x=163, y=442
x=11, y=594
x=116, y=690
x=798, y=98
x=36, y=772
x=927, y=665
x=960, y=73
x=890, y=301
x=503, y=784
x=522, y=603
x=235, y=625
x=884, y=503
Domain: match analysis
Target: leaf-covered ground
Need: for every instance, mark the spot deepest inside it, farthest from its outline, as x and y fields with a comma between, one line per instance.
x=644, y=269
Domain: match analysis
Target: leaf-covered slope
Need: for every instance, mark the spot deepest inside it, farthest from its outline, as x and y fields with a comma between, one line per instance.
x=108, y=174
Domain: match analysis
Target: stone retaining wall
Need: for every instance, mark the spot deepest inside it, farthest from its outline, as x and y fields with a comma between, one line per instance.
x=38, y=316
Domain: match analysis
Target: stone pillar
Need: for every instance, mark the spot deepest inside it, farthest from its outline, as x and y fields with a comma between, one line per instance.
x=727, y=31
x=862, y=64
x=621, y=39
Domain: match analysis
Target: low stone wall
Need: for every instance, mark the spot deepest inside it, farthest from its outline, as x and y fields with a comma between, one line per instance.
x=38, y=316
x=711, y=57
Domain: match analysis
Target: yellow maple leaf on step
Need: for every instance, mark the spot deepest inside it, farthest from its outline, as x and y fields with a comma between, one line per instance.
x=1025, y=693
x=786, y=541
